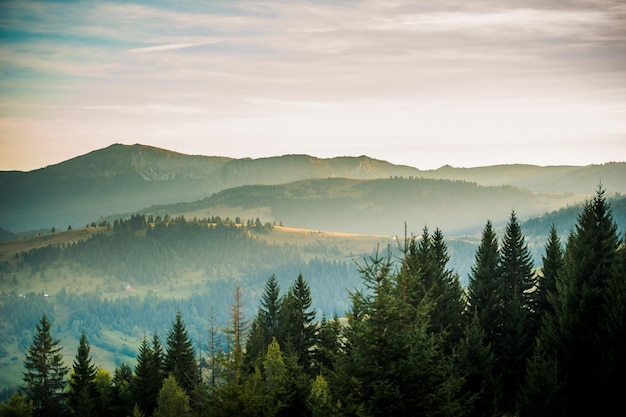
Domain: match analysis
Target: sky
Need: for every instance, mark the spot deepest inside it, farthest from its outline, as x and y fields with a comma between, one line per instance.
x=420, y=83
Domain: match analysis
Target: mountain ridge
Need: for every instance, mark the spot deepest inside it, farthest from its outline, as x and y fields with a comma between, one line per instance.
x=125, y=178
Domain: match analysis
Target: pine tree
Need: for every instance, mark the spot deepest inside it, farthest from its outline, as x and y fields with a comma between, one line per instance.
x=395, y=364
x=16, y=406
x=236, y=334
x=180, y=358
x=483, y=286
x=82, y=396
x=147, y=381
x=582, y=344
x=552, y=264
x=297, y=332
x=517, y=279
x=172, y=400
x=476, y=361
x=276, y=383
x=44, y=378
x=485, y=298
x=265, y=325
x=121, y=394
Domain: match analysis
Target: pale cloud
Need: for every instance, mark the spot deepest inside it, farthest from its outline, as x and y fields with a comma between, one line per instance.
x=302, y=75
x=169, y=47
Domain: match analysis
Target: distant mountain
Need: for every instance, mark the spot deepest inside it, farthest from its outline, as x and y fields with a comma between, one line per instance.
x=380, y=206
x=121, y=179
x=563, y=178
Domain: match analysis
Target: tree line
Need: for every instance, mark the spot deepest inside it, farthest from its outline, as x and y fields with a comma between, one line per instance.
x=516, y=341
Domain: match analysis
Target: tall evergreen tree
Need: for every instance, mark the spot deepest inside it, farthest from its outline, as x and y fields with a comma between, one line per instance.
x=82, y=395
x=44, y=378
x=172, y=400
x=180, y=359
x=517, y=281
x=265, y=325
x=475, y=360
x=552, y=262
x=395, y=363
x=483, y=285
x=147, y=381
x=582, y=343
x=121, y=395
x=16, y=406
x=297, y=331
x=484, y=299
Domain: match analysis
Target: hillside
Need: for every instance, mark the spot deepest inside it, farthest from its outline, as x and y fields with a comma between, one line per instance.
x=380, y=206
x=123, y=179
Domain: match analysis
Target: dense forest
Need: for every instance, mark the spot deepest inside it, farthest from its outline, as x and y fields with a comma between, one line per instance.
x=515, y=341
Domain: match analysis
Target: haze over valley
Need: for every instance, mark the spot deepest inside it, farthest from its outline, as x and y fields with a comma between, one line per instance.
x=283, y=216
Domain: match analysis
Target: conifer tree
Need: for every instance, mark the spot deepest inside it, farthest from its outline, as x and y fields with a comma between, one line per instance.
x=236, y=334
x=147, y=381
x=396, y=364
x=552, y=264
x=580, y=352
x=44, y=378
x=483, y=286
x=172, y=400
x=514, y=345
x=475, y=360
x=180, y=359
x=121, y=394
x=82, y=396
x=297, y=332
x=485, y=299
x=16, y=406
x=265, y=325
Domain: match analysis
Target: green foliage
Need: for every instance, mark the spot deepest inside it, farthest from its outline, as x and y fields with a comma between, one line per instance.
x=82, y=395
x=296, y=328
x=44, y=376
x=17, y=406
x=172, y=400
x=147, y=380
x=412, y=344
x=180, y=359
x=396, y=363
x=579, y=357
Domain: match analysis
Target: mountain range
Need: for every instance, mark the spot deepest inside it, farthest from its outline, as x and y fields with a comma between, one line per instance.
x=353, y=194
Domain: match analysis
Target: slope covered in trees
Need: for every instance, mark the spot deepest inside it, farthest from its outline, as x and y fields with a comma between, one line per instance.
x=517, y=342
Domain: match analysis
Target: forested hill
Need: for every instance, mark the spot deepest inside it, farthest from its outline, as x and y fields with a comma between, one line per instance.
x=123, y=179
x=379, y=206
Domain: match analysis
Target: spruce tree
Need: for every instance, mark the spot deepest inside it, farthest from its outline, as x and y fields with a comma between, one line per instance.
x=483, y=285
x=582, y=344
x=475, y=361
x=147, y=381
x=265, y=325
x=484, y=298
x=16, y=406
x=82, y=395
x=121, y=394
x=395, y=363
x=172, y=400
x=44, y=378
x=297, y=331
x=519, y=311
x=180, y=360
x=552, y=262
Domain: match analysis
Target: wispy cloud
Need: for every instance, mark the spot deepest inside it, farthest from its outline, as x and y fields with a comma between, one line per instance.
x=360, y=69
x=169, y=47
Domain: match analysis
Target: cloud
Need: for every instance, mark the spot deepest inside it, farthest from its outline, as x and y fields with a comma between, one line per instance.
x=169, y=47
x=396, y=72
